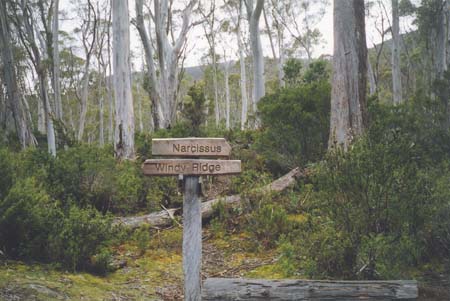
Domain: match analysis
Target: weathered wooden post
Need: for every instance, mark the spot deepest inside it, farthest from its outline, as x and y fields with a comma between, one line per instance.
x=191, y=169
x=192, y=239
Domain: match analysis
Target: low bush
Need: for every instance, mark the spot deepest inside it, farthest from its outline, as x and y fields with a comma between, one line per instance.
x=33, y=226
x=378, y=206
x=295, y=123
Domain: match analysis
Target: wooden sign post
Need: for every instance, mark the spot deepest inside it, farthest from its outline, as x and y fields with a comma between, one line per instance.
x=191, y=169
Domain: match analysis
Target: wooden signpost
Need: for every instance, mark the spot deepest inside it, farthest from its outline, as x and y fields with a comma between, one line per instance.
x=191, y=169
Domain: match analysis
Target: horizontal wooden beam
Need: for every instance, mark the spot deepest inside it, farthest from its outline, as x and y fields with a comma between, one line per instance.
x=173, y=167
x=256, y=289
x=191, y=147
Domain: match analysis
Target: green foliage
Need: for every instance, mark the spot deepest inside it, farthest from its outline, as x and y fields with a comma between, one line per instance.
x=295, y=123
x=194, y=107
x=268, y=223
x=379, y=201
x=25, y=220
x=142, y=237
x=33, y=226
x=78, y=239
x=292, y=71
x=6, y=172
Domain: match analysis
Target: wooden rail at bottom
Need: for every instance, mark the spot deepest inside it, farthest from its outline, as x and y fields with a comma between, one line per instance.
x=257, y=289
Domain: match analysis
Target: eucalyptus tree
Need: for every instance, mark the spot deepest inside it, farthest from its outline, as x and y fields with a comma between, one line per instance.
x=25, y=19
x=348, y=94
x=396, y=73
x=211, y=35
x=235, y=8
x=56, y=62
x=170, y=43
x=88, y=30
x=254, y=11
x=124, y=130
x=14, y=96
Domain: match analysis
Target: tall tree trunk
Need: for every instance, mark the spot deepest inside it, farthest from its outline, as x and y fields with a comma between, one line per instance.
x=109, y=86
x=56, y=61
x=101, y=104
x=151, y=72
x=41, y=117
x=216, y=88
x=272, y=46
x=22, y=124
x=139, y=95
x=227, y=96
x=84, y=100
x=124, y=132
x=440, y=51
x=254, y=14
x=396, y=72
x=348, y=94
x=282, y=57
x=371, y=77
x=243, y=80
x=51, y=138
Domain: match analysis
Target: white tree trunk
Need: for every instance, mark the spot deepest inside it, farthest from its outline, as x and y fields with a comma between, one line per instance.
x=56, y=62
x=281, y=60
x=84, y=100
x=227, y=96
x=51, y=139
x=348, y=93
x=151, y=71
x=41, y=117
x=440, y=51
x=19, y=110
x=371, y=77
x=396, y=72
x=254, y=14
x=101, y=104
x=139, y=96
x=216, y=88
x=243, y=81
x=124, y=131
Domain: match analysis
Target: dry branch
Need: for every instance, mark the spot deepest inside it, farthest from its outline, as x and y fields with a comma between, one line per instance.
x=165, y=218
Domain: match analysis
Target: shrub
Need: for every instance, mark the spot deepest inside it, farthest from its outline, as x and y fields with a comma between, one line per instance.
x=25, y=222
x=78, y=239
x=267, y=224
x=383, y=197
x=295, y=125
x=33, y=226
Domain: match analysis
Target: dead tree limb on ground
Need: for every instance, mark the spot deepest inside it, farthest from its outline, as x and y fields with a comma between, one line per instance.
x=165, y=218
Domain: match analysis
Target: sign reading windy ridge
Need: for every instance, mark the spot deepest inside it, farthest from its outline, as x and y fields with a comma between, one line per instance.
x=191, y=147
x=171, y=167
x=191, y=169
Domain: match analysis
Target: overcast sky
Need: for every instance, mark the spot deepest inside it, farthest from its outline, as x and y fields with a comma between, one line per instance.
x=197, y=44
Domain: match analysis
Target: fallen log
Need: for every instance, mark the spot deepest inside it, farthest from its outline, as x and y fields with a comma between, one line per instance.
x=254, y=289
x=165, y=218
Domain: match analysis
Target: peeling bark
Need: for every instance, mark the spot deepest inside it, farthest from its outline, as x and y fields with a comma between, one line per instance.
x=124, y=131
x=348, y=93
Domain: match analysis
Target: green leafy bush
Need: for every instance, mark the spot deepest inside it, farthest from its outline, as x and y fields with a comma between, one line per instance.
x=295, y=125
x=267, y=224
x=33, y=226
x=383, y=198
x=79, y=237
x=25, y=220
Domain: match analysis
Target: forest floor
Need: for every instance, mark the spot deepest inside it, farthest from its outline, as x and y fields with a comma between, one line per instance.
x=153, y=274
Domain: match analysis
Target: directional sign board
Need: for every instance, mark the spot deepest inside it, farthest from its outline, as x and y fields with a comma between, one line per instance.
x=191, y=147
x=171, y=167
